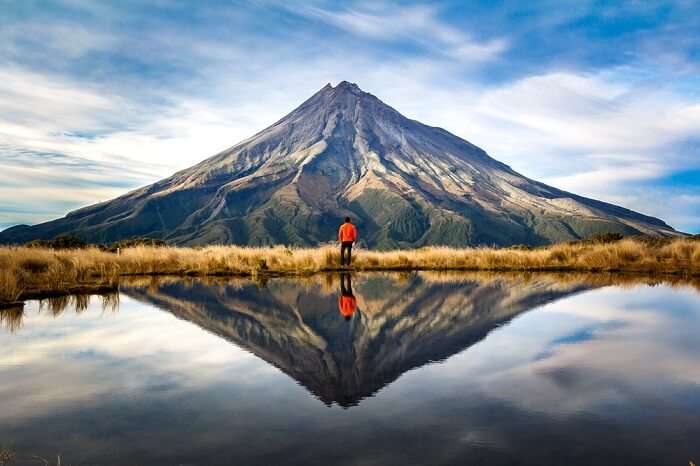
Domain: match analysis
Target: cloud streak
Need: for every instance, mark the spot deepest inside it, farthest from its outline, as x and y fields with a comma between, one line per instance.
x=417, y=24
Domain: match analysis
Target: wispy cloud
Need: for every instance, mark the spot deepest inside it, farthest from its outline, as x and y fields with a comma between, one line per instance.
x=602, y=112
x=417, y=24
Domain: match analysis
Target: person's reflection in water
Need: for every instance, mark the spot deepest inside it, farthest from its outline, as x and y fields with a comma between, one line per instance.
x=347, y=302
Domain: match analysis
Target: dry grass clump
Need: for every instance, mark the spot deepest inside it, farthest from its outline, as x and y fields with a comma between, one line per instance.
x=10, y=287
x=27, y=271
x=24, y=271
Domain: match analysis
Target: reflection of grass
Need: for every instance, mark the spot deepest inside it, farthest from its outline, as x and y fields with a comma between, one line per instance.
x=26, y=272
x=11, y=318
x=597, y=279
x=80, y=302
x=8, y=457
x=328, y=282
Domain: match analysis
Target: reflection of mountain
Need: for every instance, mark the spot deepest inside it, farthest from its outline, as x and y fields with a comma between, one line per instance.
x=400, y=324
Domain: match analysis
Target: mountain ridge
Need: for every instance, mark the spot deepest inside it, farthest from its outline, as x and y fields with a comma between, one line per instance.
x=345, y=152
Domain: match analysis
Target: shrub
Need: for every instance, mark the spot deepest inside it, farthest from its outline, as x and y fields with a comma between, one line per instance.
x=606, y=237
x=557, y=255
x=68, y=242
x=629, y=251
x=34, y=265
x=653, y=241
x=133, y=243
x=59, y=242
x=521, y=247
x=38, y=243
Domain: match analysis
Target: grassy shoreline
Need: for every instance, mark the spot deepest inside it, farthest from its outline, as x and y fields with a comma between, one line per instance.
x=27, y=273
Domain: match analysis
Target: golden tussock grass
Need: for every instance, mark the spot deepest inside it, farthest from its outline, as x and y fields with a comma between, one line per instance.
x=28, y=272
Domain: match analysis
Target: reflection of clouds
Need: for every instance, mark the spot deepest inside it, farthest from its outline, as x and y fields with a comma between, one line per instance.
x=632, y=351
x=52, y=362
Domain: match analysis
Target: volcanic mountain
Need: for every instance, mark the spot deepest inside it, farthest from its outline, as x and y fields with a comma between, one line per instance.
x=345, y=152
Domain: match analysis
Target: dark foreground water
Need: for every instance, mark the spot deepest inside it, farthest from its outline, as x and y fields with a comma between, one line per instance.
x=387, y=370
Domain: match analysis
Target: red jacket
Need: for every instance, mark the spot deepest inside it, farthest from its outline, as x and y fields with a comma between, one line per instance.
x=347, y=305
x=347, y=232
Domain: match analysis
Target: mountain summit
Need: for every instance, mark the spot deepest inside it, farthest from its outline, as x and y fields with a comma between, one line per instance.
x=345, y=152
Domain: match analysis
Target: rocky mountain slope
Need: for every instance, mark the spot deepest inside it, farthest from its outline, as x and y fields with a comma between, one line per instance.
x=345, y=152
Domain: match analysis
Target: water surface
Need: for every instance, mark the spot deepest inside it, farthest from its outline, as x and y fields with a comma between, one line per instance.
x=378, y=369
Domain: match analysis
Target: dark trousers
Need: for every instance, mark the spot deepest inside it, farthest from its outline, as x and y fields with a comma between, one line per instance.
x=345, y=284
x=345, y=246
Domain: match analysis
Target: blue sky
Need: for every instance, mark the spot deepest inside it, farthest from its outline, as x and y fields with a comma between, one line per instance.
x=595, y=97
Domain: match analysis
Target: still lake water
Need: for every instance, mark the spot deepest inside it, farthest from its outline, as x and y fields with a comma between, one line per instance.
x=426, y=369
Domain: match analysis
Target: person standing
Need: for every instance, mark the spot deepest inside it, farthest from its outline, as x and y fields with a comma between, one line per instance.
x=347, y=234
